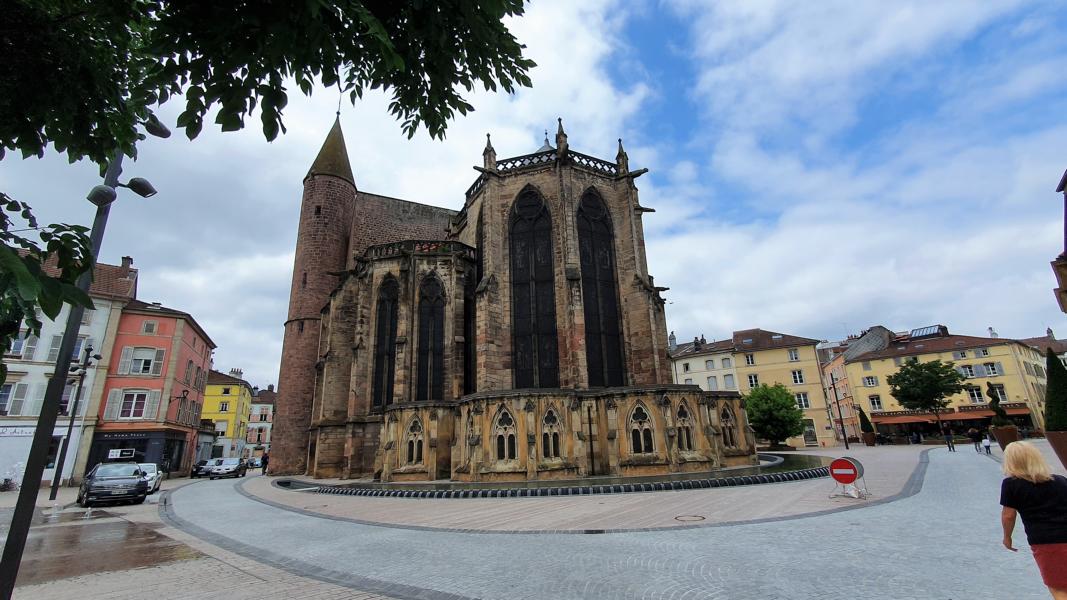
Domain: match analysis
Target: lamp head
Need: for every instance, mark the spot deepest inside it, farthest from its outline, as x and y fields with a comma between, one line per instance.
x=101, y=195
x=142, y=187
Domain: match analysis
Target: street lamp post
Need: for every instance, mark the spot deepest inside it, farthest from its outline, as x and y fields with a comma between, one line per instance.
x=102, y=196
x=840, y=417
x=81, y=370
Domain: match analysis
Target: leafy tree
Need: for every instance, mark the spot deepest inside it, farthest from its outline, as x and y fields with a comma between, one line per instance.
x=83, y=75
x=865, y=423
x=773, y=413
x=925, y=386
x=1055, y=393
x=25, y=284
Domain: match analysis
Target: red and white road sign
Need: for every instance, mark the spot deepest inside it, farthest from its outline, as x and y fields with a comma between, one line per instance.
x=846, y=470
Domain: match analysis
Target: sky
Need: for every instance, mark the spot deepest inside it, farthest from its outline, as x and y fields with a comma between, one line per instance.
x=816, y=168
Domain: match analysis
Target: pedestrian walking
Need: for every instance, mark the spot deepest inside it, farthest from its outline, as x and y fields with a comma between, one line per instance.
x=987, y=444
x=947, y=432
x=1031, y=491
x=263, y=462
x=976, y=438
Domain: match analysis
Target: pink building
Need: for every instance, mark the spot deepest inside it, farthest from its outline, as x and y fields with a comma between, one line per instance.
x=155, y=389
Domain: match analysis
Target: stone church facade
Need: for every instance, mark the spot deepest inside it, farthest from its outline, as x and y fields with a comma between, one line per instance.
x=520, y=338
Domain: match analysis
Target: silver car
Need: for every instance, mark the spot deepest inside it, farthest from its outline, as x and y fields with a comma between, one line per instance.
x=153, y=475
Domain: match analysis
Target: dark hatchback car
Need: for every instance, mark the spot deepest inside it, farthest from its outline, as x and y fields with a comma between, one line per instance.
x=229, y=467
x=113, y=482
x=202, y=468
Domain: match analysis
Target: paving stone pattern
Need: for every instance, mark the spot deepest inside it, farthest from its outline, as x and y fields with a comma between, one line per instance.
x=942, y=542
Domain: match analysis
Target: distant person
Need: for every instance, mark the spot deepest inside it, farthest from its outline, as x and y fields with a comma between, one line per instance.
x=947, y=432
x=976, y=438
x=987, y=444
x=1032, y=491
x=263, y=463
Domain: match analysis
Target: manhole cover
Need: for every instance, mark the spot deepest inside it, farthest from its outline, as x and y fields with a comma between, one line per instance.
x=689, y=518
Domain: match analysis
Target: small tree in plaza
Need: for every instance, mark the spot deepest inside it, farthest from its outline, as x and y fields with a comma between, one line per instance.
x=865, y=423
x=925, y=386
x=773, y=413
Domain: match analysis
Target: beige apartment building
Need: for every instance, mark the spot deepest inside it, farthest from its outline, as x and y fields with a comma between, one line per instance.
x=754, y=356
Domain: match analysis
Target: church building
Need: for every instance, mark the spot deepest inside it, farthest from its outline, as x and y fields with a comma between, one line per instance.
x=520, y=338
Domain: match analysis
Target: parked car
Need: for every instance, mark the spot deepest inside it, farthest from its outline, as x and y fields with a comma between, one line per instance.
x=110, y=482
x=202, y=468
x=229, y=467
x=255, y=462
x=153, y=475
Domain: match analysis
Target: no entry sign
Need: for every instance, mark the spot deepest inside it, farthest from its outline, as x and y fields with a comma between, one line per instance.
x=846, y=470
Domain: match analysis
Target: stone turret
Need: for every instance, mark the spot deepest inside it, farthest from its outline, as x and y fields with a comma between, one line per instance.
x=321, y=252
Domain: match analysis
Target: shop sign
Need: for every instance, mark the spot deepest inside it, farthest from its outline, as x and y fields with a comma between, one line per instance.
x=17, y=431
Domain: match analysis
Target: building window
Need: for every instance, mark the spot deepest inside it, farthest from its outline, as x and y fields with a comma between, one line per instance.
x=533, y=294
x=133, y=405
x=141, y=361
x=431, y=350
x=750, y=359
x=713, y=383
x=870, y=381
x=224, y=407
x=866, y=365
x=898, y=361
x=87, y=316
x=876, y=402
x=685, y=367
x=505, y=436
x=24, y=346
x=998, y=389
x=727, y=363
x=689, y=382
x=992, y=369
x=641, y=432
x=415, y=442
x=685, y=429
x=53, y=349
x=982, y=352
x=729, y=428
x=550, y=435
x=149, y=327
x=728, y=382
x=794, y=354
x=221, y=427
x=600, y=297
x=967, y=371
x=975, y=394
x=709, y=364
x=385, y=342
x=753, y=380
x=64, y=400
x=959, y=354
x=189, y=372
x=226, y=391
x=12, y=398
x=802, y=400
x=798, y=376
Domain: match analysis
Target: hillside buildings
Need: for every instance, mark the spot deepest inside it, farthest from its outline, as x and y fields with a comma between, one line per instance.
x=228, y=403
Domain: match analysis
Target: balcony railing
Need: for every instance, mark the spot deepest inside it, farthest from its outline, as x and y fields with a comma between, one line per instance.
x=409, y=247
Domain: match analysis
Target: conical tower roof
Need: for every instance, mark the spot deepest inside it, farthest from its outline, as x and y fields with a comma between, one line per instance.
x=333, y=156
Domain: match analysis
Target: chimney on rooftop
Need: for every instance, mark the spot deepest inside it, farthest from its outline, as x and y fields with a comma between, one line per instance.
x=236, y=373
x=993, y=333
x=1048, y=332
x=270, y=388
x=702, y=340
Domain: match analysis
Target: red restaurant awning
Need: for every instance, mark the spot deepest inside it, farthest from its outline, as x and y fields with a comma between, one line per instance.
x=969, y=415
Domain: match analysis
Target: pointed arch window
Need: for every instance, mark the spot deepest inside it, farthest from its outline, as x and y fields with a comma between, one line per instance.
x=533, y=294
x=431, y=359
x=600, y=296
x=641, y=431
x=729, y=428
x=414, y=438
x=685, y=429
x=550, y=437
x=470, y=348
x=385, y=343
x=505, y=437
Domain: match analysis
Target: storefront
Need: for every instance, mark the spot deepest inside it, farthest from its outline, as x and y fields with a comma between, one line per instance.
x=164, y=447
x=903, y=423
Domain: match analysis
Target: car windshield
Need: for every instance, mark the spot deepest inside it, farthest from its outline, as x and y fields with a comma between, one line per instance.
x=148, y=468
x=118, y=471
x=229, y=462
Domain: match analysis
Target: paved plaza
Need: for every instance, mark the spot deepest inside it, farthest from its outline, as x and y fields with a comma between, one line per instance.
x=931, y=531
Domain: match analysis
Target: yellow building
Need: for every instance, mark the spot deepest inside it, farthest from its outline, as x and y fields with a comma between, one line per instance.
x=228, y=402
x=755, y=356
x=1015, y=370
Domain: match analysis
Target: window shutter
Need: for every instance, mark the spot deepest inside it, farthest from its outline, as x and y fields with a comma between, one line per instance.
x=18, y=398
x=979, y=371
x=151, y=407
x=1000, y=368
x=53, y=350
x=114, y=404
x=157, y=363
x=34, y=407
x=29, y=348
x=125, y=360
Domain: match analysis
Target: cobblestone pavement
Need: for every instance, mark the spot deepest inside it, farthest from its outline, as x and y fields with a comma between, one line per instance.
x=940, y=543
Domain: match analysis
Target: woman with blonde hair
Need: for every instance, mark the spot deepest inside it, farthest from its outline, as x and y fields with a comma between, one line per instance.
x=1032, y=491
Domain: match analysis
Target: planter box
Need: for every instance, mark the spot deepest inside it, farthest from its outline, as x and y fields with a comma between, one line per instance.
x=869, y=438
x=1005, y=435
x=1058, y=441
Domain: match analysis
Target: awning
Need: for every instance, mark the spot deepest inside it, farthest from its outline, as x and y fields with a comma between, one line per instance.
x=970, y=415
x=900, y=419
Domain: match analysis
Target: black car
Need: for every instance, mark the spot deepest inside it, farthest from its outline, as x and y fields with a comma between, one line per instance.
x=202, y=468
x=112, y=482
x=228, y=467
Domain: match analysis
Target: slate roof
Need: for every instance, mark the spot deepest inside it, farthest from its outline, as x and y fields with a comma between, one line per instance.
x=745, y=340
x=109, y=281
x=1040, y=343
x=930, y=345
x=219, y=378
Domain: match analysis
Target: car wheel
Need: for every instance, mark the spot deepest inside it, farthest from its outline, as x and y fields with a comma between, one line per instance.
x=139, y=501
x=211, y=478
x=82, y=502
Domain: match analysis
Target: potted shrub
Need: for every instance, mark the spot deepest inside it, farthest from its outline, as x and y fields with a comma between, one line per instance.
x=1056, y=405
x=1003, y=429
x=867, y=429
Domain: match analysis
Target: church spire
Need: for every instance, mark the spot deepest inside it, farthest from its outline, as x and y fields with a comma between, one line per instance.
x=333, y=156
x=489, y=154
x=622, y=160
x=561, y=138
